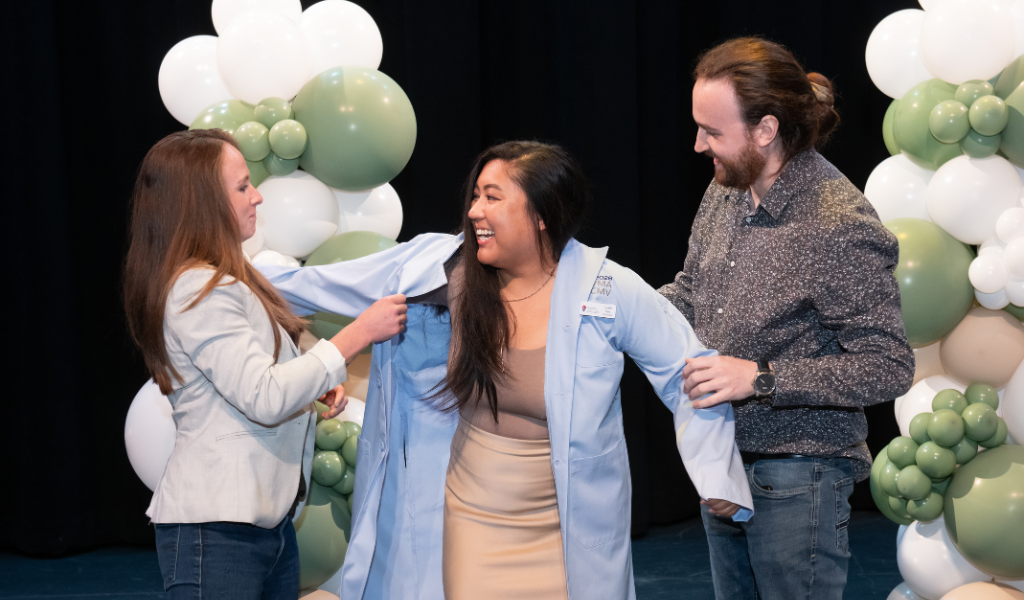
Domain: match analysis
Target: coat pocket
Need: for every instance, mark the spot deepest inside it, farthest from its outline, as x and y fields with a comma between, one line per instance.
x=598, y=503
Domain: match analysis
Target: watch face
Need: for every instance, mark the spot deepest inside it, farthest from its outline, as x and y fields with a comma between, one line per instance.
x=764, y=384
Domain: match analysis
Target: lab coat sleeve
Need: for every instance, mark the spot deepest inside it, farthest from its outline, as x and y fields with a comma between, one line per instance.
x=659, y=339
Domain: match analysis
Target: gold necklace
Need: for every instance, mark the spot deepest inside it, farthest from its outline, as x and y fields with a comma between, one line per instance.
x=534, y=293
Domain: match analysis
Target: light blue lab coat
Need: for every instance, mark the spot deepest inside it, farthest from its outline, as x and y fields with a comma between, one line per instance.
x=396, y=546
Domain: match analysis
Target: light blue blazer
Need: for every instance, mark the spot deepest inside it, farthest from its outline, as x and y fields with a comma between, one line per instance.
x=396, y=545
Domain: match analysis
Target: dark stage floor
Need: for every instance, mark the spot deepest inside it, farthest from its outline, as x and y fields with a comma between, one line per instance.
x=670, y=562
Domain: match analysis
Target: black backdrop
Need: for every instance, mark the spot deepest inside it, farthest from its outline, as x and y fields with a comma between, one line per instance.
x=608, y=80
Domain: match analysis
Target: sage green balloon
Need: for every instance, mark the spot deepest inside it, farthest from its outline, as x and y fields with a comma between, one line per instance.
x=349, y=246
x=888, y=479
x=941, y=486
x=330, y=435
x=935, y=461
x=976, y=145
x=320, y=410
x=989, y=115
x=902, y=451
x=1016, y=311
x=913, y=483
x=226, y=115
x=257, y=172
x=999, y=437
x=349, y=501
x=911, y=124
x=935, y=291
x=1010, y=78
x=272, y=110
x=1012, y=145
x=253, y=140
x=984, y=511
x=325, y=325
x=965, y=451
x=946, y=428
x=982, y=392
x=926, y=510
x=347, y=483
x=969, y=91
x=898, y=506
x=327, y=467
x=919, y=427
x=951, y=399
x=887, y=133
x=348, y=451
x=980, y=422
x=322, y=532
x=353, y=428
x=288, y=139
x=880, y=498
x=949, y=121
x=276, y=165
x=361, y=126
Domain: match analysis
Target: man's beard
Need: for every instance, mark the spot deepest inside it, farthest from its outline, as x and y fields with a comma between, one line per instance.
x=742, y=172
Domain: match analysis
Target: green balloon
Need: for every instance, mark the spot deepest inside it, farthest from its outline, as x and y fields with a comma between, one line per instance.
x=989, y=115
x=982, y=392
x=1016, y=311
x=926, y=510
x=320, y=410
x=887, y=479
x=257, y=173
x=902, y=451
x=349, y=501
x=272, y=110
x=276, y=165
x=325, y=325
x=984, y=511
x=969, y=91
x=349, y=246
x=322, y=532
x=913, y=483
x=330, y=435
x=965, y=451
x=976, y=145
x=941, y=486
x=1010, y=79
x=935, y=291
x=949, y=121
x=880, y=498
x=353, y=428
x=911, y=124
x=288, y=139
x=951, y=399
x=935, y=461
x=347, y=483
x=227, y=115
x=919, y=427
x=1012, y=145
x=253, y=140
x=887, y=133
x=898, y=506
x=327, y=468
x=980, y=422
x=348, y=451
x=361, y=125
x=999, y=437
x=946, y=428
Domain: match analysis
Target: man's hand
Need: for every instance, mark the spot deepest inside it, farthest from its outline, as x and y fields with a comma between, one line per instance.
x=336, y=400
x=721, y=508
x=725, y=377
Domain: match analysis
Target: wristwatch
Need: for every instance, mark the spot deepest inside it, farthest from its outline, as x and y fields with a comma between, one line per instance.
x=764, y=380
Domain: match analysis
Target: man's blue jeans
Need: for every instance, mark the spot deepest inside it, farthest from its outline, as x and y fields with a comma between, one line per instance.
x=796, y=546
x=231, y=561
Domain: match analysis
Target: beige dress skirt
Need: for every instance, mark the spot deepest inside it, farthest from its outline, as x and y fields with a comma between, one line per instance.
x=501, y=529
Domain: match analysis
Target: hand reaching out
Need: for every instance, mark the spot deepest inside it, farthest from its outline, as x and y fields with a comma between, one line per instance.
x=721, y=508
x=336, y=400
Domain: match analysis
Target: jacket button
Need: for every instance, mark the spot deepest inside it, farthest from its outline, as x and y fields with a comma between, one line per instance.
x=378, y=382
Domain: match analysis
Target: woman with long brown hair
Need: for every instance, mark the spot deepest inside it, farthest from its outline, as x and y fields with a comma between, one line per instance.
x=221, y=344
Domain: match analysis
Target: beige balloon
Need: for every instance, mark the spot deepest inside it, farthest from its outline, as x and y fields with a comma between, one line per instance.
x=984, y=591
x=987, y=346
x=317, y=595
x=358, y=383
x=927, y=362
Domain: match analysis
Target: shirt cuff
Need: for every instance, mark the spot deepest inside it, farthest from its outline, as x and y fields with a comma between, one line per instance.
x=742, y=515
x=333, y=361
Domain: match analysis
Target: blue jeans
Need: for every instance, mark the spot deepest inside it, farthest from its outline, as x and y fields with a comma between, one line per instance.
x=230, y=561
x=796, y=546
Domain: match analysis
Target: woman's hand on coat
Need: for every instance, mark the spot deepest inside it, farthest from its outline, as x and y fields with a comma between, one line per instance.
x=726, y=378
x=721, y=508
x=336, y=399
x=384, y=319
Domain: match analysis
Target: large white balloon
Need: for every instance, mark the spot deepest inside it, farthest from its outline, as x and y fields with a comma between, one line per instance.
x=967, y=39
x=902, y=592
x=930, y=564
x=270, y=257
x=262, y=53
x=898, y=188
x=354, y=411
x=149, y=433
x=378, y=210
x=299, y=213
x=988, y=273
x=892, y=55
x=189, y=80
x=254, y=245
x=225, y=11
x=1017, y=13
x=341, y=33
x=1012, y=405
x=1010, y=224
x=967, y=195
x=919, y=399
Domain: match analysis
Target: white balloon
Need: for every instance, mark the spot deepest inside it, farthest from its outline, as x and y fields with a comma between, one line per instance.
x=994, y=301
x=1015, y=291
x=988, y=273
x=919, y=399
x=341, y=33
x=929, y=563
x=1017, y=14
x=149, y=433
x=254, y=245
x=992, y=245
x=271, y=257
x=928, y=4
x=378, y=210
x=261, y=54
x=299, y=212
x=225, y=11
x=967, y=39
x=967, y=195
x=1012, y=405
x=898, y=188
x=902, y=592
x=899, y=533
x=189, y=80
x=1010, y=224
x=1013, y=257
x=892, y=55
x=354, y=411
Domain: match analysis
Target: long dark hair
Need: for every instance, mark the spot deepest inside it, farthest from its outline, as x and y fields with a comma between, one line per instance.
x=557, y=194
x=181, y=218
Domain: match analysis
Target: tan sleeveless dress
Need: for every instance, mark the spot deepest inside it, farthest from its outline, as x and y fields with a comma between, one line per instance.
x=502, y=538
